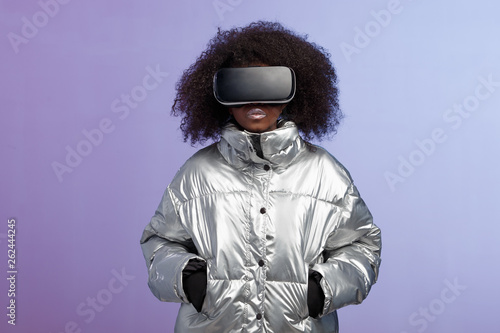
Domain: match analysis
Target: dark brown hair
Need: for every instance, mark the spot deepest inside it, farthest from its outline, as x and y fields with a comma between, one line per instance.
x=314, y=109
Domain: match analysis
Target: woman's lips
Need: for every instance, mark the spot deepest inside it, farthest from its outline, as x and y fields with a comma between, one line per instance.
x=256, y=113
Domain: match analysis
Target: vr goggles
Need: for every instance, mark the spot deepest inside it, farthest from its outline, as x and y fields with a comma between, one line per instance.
x=236, y=87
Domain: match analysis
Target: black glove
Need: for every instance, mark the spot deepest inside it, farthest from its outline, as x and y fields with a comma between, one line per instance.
x=315, y=294
x=194, y=280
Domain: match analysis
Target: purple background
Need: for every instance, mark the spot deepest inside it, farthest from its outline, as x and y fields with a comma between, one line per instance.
x=401, y=76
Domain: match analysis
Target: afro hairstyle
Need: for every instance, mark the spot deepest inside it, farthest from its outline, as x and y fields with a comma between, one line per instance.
x=314, y=109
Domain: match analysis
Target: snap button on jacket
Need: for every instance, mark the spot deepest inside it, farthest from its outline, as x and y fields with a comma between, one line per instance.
x=261, y=230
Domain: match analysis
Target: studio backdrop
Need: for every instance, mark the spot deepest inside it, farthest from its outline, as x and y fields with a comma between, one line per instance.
x=88, y=146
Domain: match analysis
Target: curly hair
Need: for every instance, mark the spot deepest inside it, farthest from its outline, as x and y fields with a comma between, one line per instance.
x=314, y=109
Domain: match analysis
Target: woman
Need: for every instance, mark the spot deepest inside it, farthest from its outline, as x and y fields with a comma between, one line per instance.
x=261, y=231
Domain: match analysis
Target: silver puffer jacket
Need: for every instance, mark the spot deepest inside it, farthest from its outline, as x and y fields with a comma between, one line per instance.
x=261, y=224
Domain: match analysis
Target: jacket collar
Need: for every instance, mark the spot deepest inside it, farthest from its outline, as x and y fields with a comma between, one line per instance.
x=279, y=147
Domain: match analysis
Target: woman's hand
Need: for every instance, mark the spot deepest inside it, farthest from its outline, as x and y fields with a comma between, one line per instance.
x=195, y=282
x=315, y=294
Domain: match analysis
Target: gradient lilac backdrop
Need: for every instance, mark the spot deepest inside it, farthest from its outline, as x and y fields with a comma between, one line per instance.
x=405, y=67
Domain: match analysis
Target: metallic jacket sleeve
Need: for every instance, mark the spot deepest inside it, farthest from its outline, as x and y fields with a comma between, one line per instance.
x=167, y=248
x=351, y=255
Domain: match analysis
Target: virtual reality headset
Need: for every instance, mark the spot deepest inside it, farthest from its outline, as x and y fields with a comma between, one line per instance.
x=236, y=87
